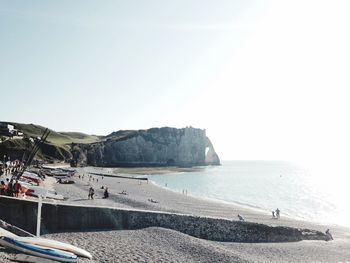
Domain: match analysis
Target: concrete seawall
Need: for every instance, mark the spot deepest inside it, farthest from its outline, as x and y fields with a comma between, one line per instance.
x=72, y=218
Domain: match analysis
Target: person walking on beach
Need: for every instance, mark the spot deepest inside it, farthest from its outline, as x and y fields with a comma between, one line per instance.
x=91, y=193
x=106, y=194
x=278, y=213
x=273, y=214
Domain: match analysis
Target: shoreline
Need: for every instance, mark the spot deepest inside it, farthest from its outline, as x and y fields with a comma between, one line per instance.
x=251, y=208
x=175, y=201
x=157, y=170
x=156, y=244
x=155, y=188
x=174, y=170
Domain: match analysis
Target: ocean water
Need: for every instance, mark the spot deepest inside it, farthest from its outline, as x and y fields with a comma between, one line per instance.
x=267, y=185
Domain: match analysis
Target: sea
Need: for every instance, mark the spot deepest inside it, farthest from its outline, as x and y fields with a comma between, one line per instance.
x=297, y=191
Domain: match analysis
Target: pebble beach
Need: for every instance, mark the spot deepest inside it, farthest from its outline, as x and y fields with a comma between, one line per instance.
x=156, y=244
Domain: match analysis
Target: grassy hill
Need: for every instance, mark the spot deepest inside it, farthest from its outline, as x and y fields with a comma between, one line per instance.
x=61, y=146
x=59, y=138
x=56, y=147
x=49, y=152
x=120, y=135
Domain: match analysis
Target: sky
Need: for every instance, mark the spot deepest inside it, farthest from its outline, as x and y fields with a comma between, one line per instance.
x=268, y=80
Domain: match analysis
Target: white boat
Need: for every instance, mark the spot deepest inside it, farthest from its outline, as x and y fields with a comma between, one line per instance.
x=55, y=244
x=47, y=243
x=37, y=190
x=58, y=173
x=50, y=253
x=4, y=232
x=32, y=177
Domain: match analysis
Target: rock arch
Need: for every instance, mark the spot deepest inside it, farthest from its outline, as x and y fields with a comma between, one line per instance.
x=211, y=157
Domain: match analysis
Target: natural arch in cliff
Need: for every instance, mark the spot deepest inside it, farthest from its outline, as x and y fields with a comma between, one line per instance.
x=211, y=157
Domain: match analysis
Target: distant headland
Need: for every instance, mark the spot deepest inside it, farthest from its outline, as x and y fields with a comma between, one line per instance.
x=165, y=146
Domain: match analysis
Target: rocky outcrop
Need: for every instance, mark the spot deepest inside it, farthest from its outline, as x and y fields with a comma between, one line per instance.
x=153, y=147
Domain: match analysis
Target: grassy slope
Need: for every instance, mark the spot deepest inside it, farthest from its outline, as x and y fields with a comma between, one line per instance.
x=119, y=135
x=56, y=146
x=59, y=138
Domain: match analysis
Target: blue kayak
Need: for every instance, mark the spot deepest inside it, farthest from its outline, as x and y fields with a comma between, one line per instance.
x=39, y=251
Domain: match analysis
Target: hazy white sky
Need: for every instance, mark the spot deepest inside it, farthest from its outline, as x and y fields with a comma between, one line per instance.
x=266, y=79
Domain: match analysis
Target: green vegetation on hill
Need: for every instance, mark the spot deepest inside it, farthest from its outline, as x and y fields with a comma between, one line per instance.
x=57, y=145
x=151, y=147
x=121, y=135
x=51, y=152
x=59, y=138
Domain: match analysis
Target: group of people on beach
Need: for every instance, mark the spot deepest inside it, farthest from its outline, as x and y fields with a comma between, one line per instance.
x=10, y=188
x=276, y=214
x=92, y=192
x=9, y=167
x=9, y=185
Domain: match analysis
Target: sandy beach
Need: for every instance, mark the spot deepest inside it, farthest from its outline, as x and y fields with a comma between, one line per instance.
x=165, y=245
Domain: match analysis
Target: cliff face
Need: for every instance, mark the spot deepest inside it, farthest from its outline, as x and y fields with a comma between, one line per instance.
x=153, y=147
